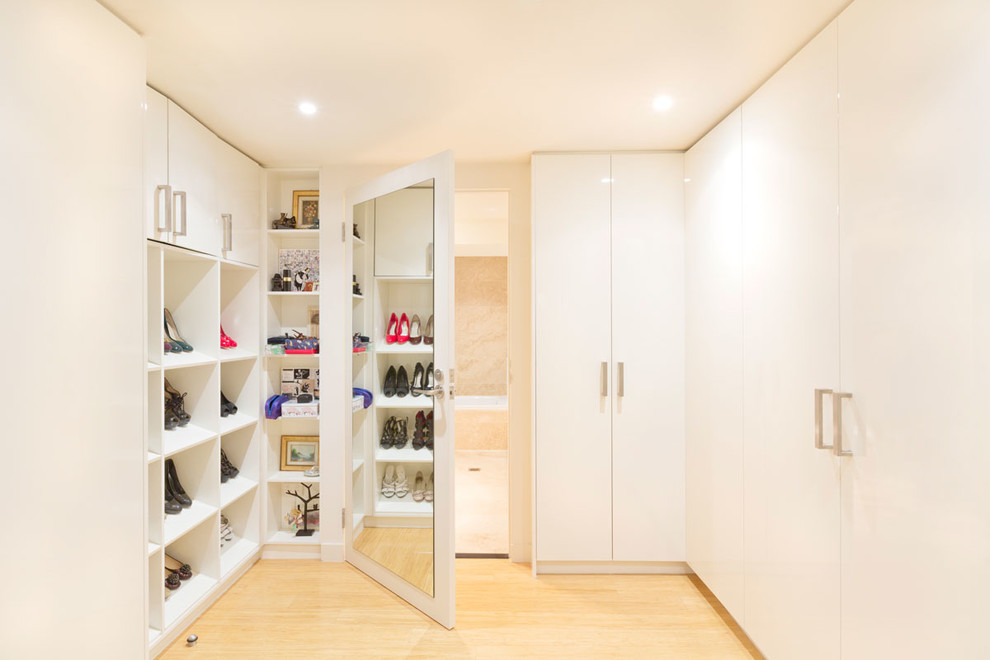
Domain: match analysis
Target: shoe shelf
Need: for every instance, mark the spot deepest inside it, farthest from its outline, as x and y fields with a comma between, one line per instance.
x=357, y=464
x=153, y=548
x=294, y=233
x=243, y=514
x=405, y=455
x=178, y=525
x=186, y=597
x=294, y=294
x=234, y=489
x=286, y=477
x=403, y=280
x=191, y=359
x=156, y=595
x=233, y=554
x=357, y=296
x=185, y=437
x=152, y=457
x=404, y=349
x=286, y=537
x=236, y=355
x=152, y=367
x=236, y=422
x=403, y=402
x=403, y=505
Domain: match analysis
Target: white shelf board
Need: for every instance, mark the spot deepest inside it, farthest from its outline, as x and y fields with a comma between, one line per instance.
x=358, y=519
x=284, y=477
x=177, y=525
x=315, y=356
x=152, y=367
x=283, y=537
x=176, y=253
x=235, y=354
x=294, y=233
x=228, y=263
x=405, y=349
x=153, y=634
x=408, y=402
x=293, y=294
x=357, y=296
x=233, y=555
x=153, y=548
x=182, y=360
x=186, y=596
x=358, y=464
x=403, y=279
x=235, y=422
x=404, y=505
x=296, y=417
x=358, y=241
x=152, y=457
x=234, y=489
x=405, y=455
x=363, y=353
x=184, y=437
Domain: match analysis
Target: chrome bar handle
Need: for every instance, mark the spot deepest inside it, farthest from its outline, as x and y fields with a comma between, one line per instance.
x=181, y=194
x=228, y=230
x=604, y=379
x=819, y=428
x=837, y=398
x=437, y=390
x=429, y=259
x=620, y=388
x=168, y=209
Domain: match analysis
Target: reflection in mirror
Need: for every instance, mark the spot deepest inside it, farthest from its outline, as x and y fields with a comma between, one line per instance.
x=392, y=512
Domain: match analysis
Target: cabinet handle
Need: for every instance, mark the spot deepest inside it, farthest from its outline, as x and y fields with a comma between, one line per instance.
x=819, y=430
x=837, y=398
x=228, y=230
x=429, y=259
x=181, y=194
x=620, y=388
x=604, y=379
x=168, y=209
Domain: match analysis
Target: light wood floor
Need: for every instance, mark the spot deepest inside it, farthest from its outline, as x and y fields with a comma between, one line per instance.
x=407, y=552
x=297, y=609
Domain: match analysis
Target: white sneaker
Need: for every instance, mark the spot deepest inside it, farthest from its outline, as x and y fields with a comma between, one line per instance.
x=401, y=485
x=388, y=481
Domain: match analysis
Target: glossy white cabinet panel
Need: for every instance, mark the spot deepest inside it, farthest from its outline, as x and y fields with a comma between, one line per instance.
x=790, y=348
x=571, y=301
x=192, y=171
x=648, y=357
x=72, y=260
x=156, y=167
x=714, y=380
x=239, y=197
x=915, y=295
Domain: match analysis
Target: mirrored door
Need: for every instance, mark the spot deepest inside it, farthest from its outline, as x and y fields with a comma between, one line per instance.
x=399, y=525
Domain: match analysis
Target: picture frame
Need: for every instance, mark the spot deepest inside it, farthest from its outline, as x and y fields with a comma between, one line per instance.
x=306, y=208
x=314, y=321
x=300, y=452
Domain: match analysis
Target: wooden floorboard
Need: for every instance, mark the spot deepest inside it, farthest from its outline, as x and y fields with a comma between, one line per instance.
x=310, y=609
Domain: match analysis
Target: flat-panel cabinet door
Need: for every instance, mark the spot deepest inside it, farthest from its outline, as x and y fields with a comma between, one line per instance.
x=573, y=380
x=157, y=201
x=915, y=237
x=239, y=204
x=790, y=348
x=648, y=357
x=714, y=383
x=192, y=164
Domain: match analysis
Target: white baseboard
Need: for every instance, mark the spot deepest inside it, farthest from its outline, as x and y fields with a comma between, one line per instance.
x=520, y=553
x=613, y=568
x=332, y=552
x=272, y=551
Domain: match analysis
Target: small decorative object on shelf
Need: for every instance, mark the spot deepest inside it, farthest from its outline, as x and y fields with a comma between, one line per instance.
x=306, y=206
x=362, y=398
x=286, y=280
x=276, y=282
x=361, y=343
x=300, y=452
x=312, y=472
x=301, y=344
x=284, y=222
x=296, y=516
x=357, y=287
x=300, y=265
x=356, y=234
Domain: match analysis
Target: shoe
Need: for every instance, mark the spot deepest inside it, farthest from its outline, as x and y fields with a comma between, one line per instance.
x=428, y=492
x=393, y=329
x=177, y=567
x=419, y=491
x=387, y=435
x=167, y=347
x=428, y=333
x=388, y=481
x=388, y=389
x=418, y=439
x=428, y=431
x=172, y=506
x=225, y=464
x=170, y=418
x=415, y=333
x=225, y=341
x=401, y=436
x=172, y=582
x=172, y=332
x=401, y=484
x=172, y=479
x=356, y=234
x=417, y=379
x=428, y=381
x=402, y=384
x=402, y=336
x=226, y=407
x=176, y=403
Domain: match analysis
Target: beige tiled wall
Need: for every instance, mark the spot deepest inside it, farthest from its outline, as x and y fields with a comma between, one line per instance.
x=481, y=332
x=482, y=429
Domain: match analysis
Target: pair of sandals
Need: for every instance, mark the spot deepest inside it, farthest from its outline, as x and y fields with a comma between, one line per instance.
x=226, y=531
x=395, y=433
x=394, y=483
x=423, y=490
x=423, y=435
x=177, y=572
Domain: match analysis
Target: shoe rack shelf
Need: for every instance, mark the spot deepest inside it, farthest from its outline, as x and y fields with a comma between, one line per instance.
x=284, y=312
x=202, y=292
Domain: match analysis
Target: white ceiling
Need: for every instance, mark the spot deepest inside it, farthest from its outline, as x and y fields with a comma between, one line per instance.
x=494, y=80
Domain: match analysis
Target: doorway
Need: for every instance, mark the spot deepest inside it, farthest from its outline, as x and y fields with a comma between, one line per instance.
x=481, y=239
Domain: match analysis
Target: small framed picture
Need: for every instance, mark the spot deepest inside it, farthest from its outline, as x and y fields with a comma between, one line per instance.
x=306, y=207
x=314, y=321
x=300, y=452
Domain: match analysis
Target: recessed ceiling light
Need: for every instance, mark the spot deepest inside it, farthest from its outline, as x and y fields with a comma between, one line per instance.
x=687, y=180
x=607, y=180
x=663, y=103
x=307, y=108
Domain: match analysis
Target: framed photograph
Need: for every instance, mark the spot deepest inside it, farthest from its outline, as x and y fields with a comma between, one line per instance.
x=314, y=321
x=306, y=207
x=300, y=452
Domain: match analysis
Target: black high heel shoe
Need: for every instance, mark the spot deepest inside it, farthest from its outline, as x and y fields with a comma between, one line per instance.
x=387, y=434
x=172, y=506
x=402, y=386
x=175, y=403
x=401, y=434
x=227, y=469
x=418, y=440
x=389, y=387
x=172, y=481
x=226, y=406
x=417, y=379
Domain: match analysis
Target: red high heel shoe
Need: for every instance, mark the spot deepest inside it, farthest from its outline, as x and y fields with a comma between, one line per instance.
x=225, y=341
x=393, y=327
x=403, y=333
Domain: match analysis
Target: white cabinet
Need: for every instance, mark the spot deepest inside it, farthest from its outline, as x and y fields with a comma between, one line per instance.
x=714, y=379
x=790, y=320
x=200, y=193
x=915, y=295
x=609, y=441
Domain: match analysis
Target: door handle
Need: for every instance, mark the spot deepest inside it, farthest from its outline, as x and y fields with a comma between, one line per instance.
x=620, y=374
x=437, y=391
x=181, y=194
x=168, y=209
x=837, y=398
x=228, y=230
x=604, y=379
x=819, y=430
